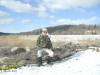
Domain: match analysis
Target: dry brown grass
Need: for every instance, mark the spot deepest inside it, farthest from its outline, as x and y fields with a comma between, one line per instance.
x=13, y=40
x=90, y=42
x=58, y=44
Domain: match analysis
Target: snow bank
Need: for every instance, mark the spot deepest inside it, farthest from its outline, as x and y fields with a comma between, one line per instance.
x=82, y=63
x=63, y=37
x=67, y=38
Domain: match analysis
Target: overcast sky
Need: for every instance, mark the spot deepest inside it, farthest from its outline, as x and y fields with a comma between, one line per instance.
x=26, y=15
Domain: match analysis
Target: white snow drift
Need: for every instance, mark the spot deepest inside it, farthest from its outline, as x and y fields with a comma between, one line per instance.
x=82, y=63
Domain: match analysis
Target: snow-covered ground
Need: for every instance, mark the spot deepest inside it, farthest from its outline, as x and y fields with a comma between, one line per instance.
x=82, y=63
x=63, y=38
x=73, y=37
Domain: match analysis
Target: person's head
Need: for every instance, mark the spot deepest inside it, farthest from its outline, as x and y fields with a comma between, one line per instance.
x=44, y=31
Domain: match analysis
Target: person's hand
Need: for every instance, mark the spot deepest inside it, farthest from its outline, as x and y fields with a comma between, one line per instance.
x=43, y=46
x=52, y=49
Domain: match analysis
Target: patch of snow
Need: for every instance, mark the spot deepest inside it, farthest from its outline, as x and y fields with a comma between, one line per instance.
x=27, y=49
x=14, y=49
x=65, y=38
x=81, y=63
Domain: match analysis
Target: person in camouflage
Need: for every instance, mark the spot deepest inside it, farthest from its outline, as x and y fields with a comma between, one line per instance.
x=44, y=44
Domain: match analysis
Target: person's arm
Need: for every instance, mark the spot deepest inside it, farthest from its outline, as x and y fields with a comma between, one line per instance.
x=50, y=44
x=38, y=42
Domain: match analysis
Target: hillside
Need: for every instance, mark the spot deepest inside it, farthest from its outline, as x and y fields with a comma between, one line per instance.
x=63, y=30
x=68, y=30
x=1, y=33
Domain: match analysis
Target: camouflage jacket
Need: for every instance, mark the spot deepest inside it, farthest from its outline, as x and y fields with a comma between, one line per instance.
x=44, y=42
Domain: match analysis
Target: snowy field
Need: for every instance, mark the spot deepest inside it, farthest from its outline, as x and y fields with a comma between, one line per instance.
x=73, y=37
x=82, y=63
x=63, y=37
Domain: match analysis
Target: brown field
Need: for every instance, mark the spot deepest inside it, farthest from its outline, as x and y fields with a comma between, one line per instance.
x=90, y=42
x=15, y=40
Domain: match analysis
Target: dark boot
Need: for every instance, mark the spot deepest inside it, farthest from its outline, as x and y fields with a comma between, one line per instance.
x=49, y=60
x=40, y=61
